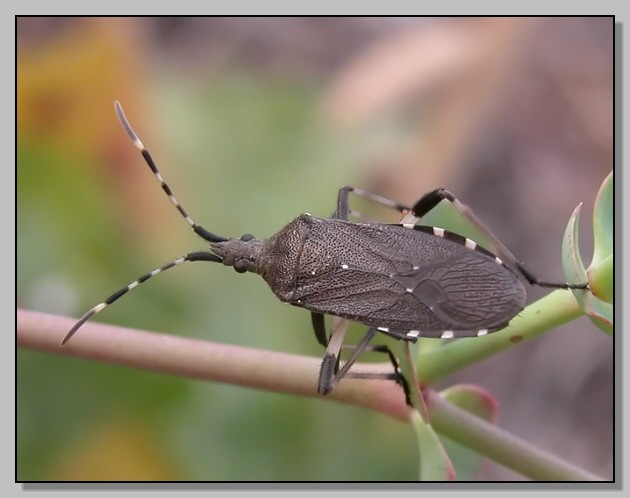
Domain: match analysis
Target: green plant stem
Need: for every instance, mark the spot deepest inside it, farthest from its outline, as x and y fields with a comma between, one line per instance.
x=499, y=445
x=205, y=360
x=553, y=310
x=601, y=277
x=279, y=372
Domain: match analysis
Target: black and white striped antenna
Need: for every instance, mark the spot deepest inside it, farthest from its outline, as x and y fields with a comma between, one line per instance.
x=198, y=229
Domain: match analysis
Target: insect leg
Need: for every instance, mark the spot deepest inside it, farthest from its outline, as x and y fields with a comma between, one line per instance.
x=198, y=229
x=330, y=364
x=396, y=376
x=428, y=201
x=330, y=374
x=344, y=211
x=319, y=327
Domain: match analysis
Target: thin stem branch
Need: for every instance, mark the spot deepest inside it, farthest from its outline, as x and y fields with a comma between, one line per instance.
x=196, y=359
x=281, y=372
x=499, y=445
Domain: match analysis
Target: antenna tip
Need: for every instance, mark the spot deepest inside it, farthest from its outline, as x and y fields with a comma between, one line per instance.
x=127, y=126
x=68, y=336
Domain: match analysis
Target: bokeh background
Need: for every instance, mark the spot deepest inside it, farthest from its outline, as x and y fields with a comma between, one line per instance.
x=253, y=121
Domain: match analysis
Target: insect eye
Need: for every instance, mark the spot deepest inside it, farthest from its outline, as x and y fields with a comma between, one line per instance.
x=240, y=265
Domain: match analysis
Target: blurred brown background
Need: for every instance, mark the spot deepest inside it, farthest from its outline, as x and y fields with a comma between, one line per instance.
x=514, y=115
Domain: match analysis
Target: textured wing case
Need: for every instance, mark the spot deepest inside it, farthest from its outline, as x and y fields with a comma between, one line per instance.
x=391, y=276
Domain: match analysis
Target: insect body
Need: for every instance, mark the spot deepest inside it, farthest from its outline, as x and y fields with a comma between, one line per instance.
x=381, y=275
x=405, y=280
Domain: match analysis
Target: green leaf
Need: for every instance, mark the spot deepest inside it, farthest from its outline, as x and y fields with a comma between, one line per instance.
x=574, y=269
x=603, y=222
x=435, y=464
x=601, y=270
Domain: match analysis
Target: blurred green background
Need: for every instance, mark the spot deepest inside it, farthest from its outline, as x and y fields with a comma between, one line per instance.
x=253, y=121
